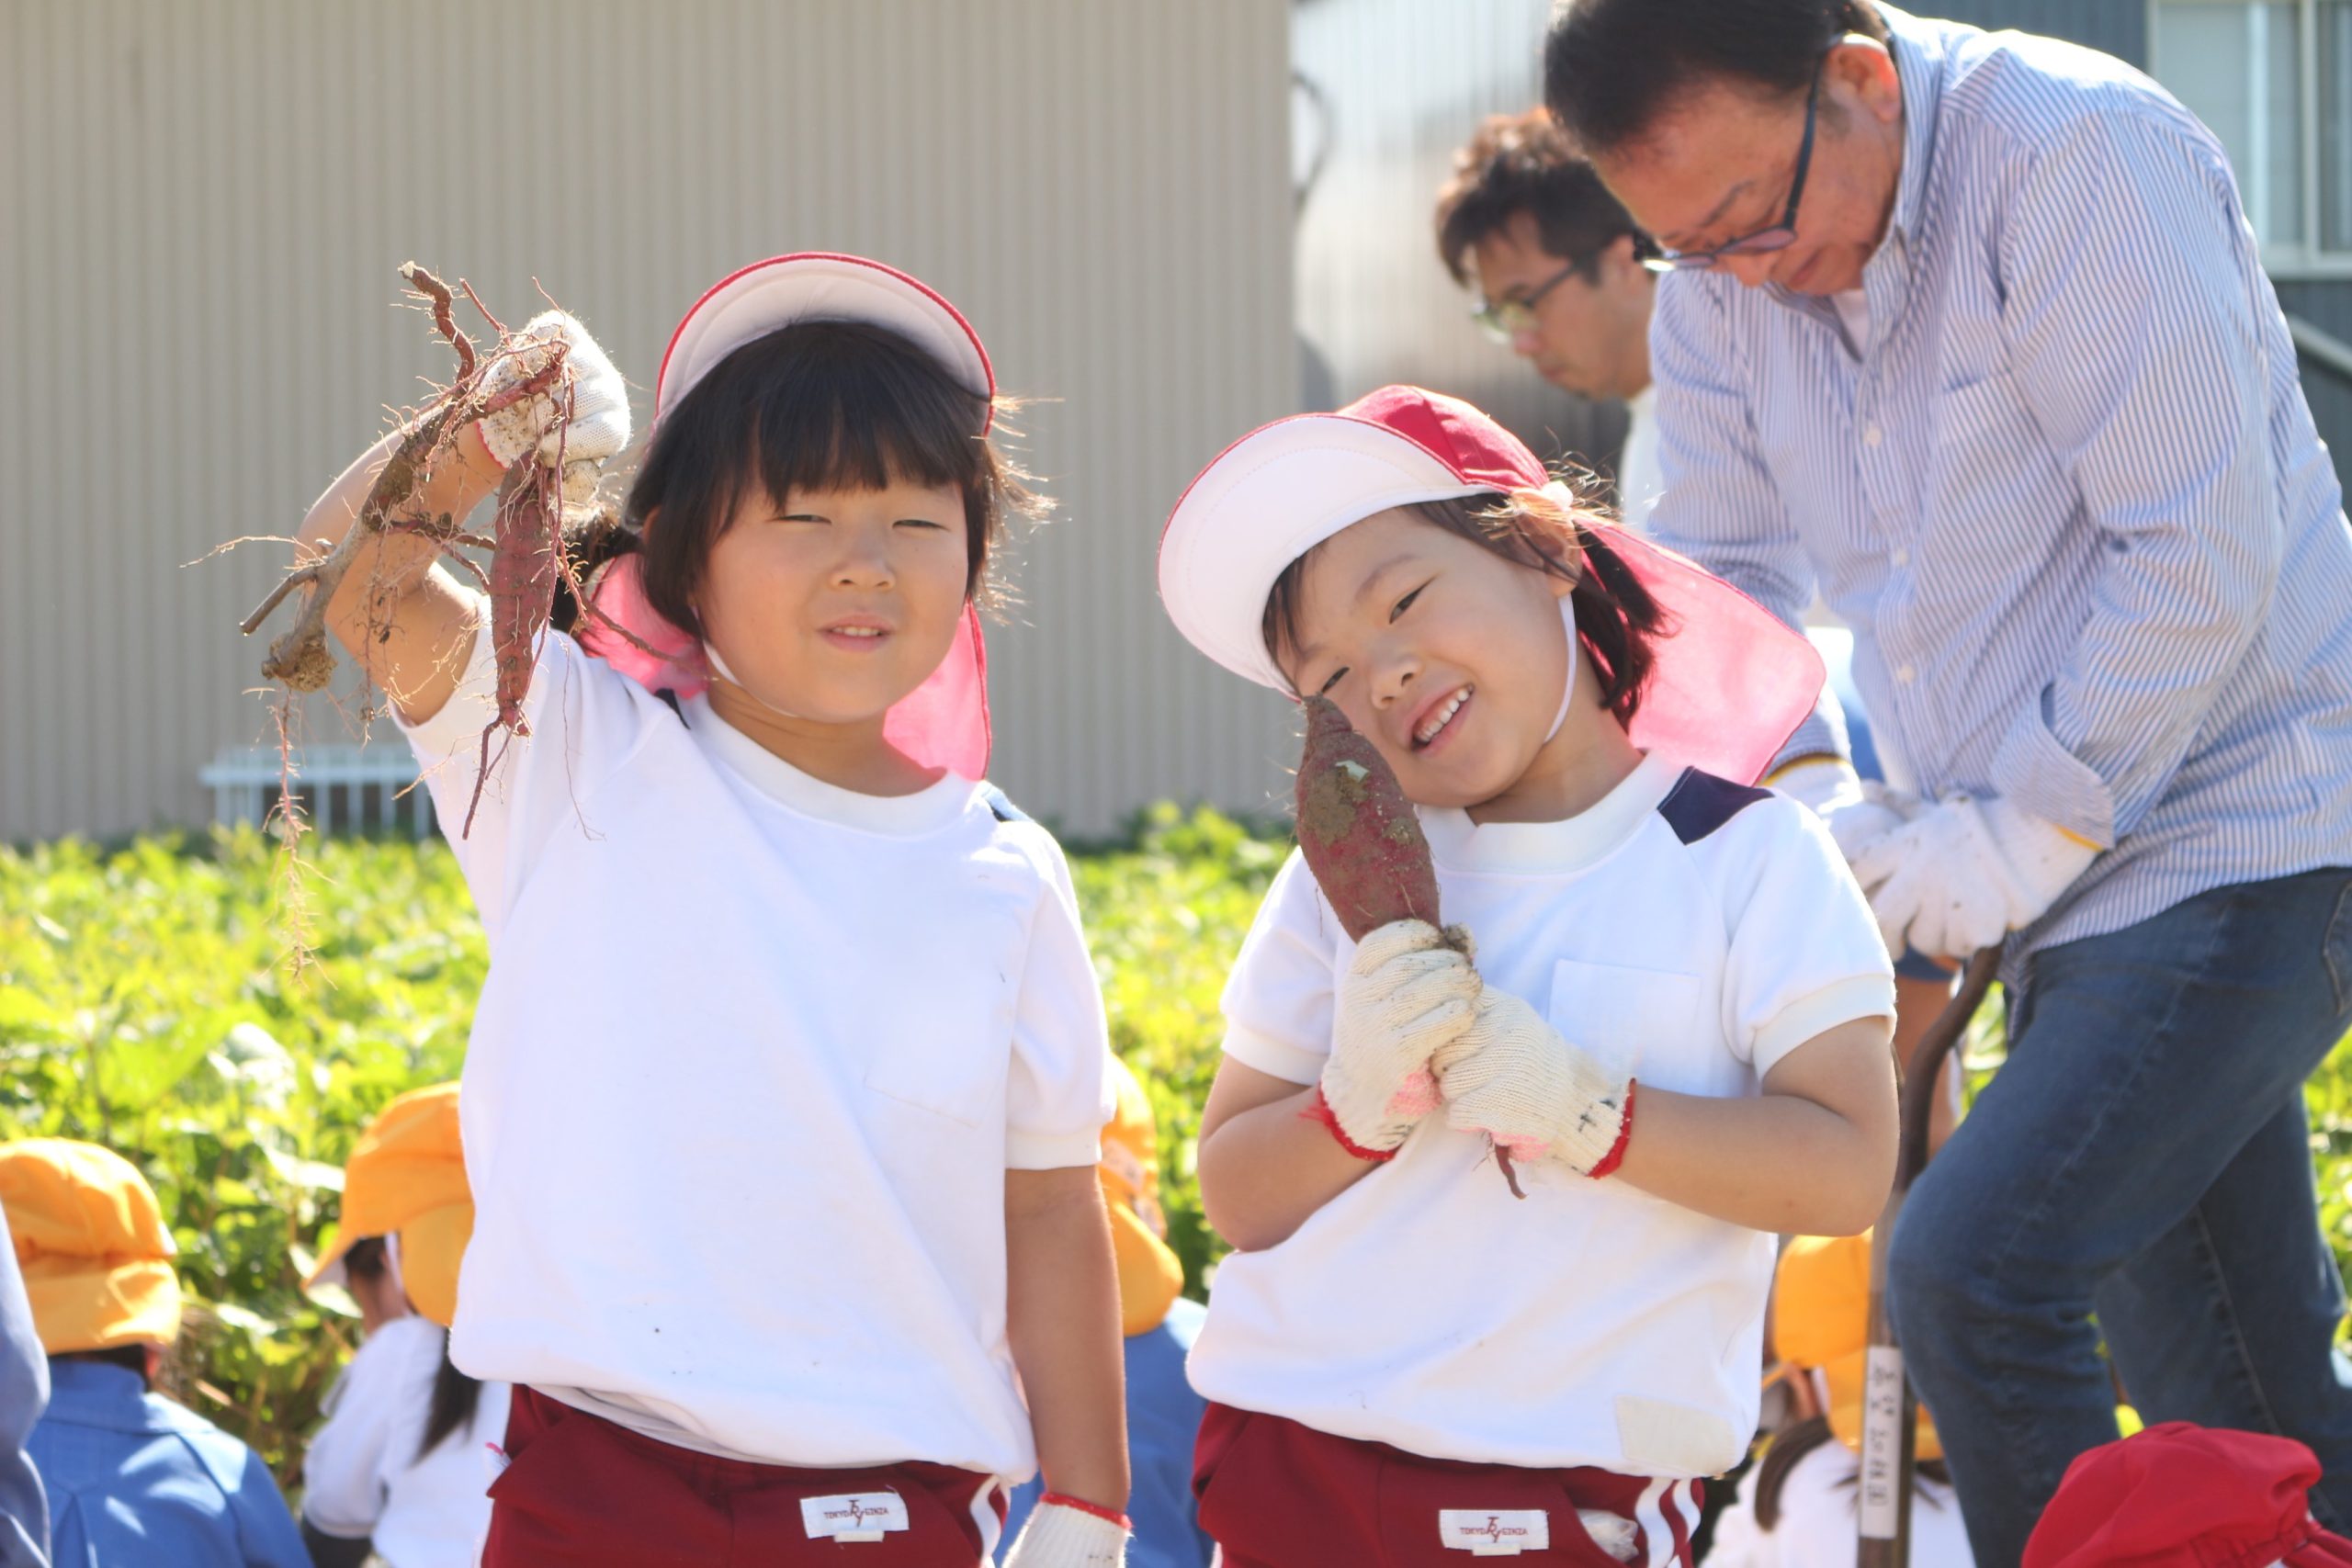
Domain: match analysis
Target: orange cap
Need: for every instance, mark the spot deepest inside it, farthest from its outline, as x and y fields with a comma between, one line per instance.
x=407, y=1179
x=91, y=1242
x=1821, y=1310
x=1150, y=1278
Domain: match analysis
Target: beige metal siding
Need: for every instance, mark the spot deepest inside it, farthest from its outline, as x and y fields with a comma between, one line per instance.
x=201, y=210
x=1402, y=84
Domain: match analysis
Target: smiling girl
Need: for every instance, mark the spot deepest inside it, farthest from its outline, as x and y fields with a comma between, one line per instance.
x=1677, y=1017
x=782, y=1102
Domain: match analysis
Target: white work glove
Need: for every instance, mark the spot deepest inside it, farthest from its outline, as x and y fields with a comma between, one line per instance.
x=1060, y=1536
x=599, y=426
x=1965, y=873
x=1407, y=995
x=1514, y=1079
x=1857, y=813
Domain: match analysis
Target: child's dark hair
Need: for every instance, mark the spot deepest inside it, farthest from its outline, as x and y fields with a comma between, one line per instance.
x=1616, y=617
x=365, y=1258
x=456, y=1395
x=1793, y=1444
x=817, y=405
x=129, y=1357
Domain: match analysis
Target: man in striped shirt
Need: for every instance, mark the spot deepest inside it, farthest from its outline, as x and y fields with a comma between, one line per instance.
x=1970, y=332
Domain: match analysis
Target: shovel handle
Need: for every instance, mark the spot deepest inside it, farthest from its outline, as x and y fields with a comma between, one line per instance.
x=1888, y=1409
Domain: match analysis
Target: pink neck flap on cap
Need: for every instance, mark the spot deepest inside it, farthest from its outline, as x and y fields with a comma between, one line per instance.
x=1730, y=682
x=943, y=723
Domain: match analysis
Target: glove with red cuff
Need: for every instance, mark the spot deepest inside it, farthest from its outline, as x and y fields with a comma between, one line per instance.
x=1408, y=994
x=1514, y=1079
x=1067, y=1532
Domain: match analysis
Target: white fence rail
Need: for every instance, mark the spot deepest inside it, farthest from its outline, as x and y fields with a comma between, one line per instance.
x=356, y=786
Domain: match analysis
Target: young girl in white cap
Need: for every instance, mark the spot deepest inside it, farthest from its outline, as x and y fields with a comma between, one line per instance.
x=782, y=1097
x=1670, y=1006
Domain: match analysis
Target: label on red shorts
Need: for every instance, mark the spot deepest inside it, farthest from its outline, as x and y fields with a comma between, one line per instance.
x=854, y=1516
x=1504, y=1533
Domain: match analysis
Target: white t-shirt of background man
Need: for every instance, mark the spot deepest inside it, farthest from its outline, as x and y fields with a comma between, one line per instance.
x=752, y=1059
x=362, y=1475
x=1685, y=930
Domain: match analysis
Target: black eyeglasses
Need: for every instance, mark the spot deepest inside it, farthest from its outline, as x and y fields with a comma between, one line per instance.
x=1779, y=236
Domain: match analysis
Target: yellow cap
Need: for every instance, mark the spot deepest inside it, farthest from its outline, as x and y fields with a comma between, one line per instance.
x=91, y=1242
x=407, y=1179
x=1150, y=1278
x=1821, y=1312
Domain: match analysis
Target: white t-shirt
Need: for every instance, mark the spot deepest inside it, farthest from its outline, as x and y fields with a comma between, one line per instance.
x=1688, y=931
x=753, y=1056
x=1640, y=477
x=1817, y=1527
x=361, y=1475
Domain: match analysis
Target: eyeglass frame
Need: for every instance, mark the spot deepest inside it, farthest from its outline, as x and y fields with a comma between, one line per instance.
x=1774, y=237
x=1503, y=320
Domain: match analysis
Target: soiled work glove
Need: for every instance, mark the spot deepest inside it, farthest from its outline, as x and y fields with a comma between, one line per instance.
x=1964, y=872
x=1857, y=813
x=1407, y=995
x=1514, y=1079
x=1066, y=1533
x=599, y=426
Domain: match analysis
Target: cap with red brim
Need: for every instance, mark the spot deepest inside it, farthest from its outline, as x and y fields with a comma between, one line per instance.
x=2180, y=1495
x=1730, y=682
x=943, y=722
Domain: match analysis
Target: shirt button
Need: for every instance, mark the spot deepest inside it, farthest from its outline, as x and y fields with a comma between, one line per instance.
x=1907, y=674
x=1870, y=436
x=1901, y=557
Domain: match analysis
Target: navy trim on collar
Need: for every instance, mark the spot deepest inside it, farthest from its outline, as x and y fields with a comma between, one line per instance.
x=1700, y=802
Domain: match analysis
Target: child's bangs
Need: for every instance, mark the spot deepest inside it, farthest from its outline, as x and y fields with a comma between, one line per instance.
x=852, y=407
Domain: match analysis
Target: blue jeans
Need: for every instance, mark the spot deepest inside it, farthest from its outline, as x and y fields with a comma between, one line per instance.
x=2142, y=1154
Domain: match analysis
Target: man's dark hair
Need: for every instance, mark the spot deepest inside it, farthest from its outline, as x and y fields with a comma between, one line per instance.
x=1523, y=163
x=1610, y=66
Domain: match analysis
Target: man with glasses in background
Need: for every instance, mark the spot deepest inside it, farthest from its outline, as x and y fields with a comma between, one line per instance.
x=1557, y=269
x=1969, y=331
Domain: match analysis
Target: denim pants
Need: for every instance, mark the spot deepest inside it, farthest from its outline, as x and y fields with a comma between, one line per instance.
x=2143, y=1154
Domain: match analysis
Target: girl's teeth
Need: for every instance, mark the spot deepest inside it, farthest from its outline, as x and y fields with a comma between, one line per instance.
x=1445, y=717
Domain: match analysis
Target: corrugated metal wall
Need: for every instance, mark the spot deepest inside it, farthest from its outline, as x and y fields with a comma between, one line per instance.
x=201, y=210
x=1390, y=88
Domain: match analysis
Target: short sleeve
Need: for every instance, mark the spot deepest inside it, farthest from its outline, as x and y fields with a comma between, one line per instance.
x=1060, y=1094
x=1278, y=998
x=345, y=1470
x=1804, y=954
x=585, y=719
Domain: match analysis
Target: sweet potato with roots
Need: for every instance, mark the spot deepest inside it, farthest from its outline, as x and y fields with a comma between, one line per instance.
x=1363, y=842
x=526, y=544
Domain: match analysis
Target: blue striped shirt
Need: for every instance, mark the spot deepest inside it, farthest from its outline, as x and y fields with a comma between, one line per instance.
x=2067, y=493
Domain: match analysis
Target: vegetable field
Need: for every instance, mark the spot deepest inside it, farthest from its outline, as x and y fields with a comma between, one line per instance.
x=145, y=1005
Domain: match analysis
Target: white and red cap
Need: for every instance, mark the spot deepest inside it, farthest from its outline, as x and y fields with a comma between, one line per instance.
x=1730, y=682
x=2184, y=1496
x=943, y=722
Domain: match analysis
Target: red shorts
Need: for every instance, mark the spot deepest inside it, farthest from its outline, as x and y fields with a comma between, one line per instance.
x=580, y=1492
x=1276, y=1495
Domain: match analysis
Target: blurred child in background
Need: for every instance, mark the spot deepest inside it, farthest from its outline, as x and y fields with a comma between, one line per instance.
x=134, y=1481
x=1797, y=1508
x=1163, y=1413
x=402, y=1465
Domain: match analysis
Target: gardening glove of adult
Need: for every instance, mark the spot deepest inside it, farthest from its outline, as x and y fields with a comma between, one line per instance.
x=1060, y=1535
x=599, y=425
x=1514, y=1079
x=1964, y=872
x=1407, y=995
x=1857, y=813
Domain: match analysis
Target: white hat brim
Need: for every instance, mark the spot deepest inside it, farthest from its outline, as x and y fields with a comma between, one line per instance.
x=1267, y=499
x=818, y=287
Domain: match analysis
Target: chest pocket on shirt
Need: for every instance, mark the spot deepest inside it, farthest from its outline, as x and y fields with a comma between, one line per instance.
x=1625, y=1018
x=946, y=1046
x=1991, y=459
